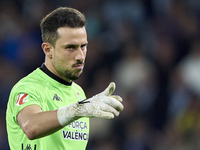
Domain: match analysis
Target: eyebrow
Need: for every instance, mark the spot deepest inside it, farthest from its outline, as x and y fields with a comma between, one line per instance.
x=75, y=45
x=84, y=44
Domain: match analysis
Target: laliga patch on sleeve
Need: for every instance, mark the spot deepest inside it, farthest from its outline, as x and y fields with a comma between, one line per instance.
x=21, y=99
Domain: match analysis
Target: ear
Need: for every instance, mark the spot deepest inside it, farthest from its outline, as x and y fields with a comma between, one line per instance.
x=47, y=48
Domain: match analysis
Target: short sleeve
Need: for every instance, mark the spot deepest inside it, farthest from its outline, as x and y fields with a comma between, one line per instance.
x=22, y=98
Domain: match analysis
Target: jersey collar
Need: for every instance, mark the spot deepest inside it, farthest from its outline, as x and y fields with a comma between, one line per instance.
x=53, y=76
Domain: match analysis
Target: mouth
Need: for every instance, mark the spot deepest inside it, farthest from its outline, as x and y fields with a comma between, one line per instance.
x=79, y=66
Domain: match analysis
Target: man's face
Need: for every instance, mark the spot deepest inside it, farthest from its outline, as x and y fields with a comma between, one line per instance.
x=68, y=55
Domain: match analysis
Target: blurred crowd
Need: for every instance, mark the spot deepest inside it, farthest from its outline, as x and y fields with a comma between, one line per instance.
x=149, y=48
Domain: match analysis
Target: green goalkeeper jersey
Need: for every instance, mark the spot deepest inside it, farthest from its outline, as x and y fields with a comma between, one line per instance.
x=46, y=90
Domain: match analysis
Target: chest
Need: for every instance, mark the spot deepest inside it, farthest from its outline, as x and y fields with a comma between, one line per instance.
x=55, y=98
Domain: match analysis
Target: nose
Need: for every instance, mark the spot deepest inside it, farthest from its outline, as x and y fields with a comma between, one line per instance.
x=80, y=55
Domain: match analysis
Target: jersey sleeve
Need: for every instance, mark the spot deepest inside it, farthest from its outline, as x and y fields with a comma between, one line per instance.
x=24, y=96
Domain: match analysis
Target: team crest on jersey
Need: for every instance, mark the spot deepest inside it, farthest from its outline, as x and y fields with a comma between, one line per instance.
x=21, y=99
x=79, y=96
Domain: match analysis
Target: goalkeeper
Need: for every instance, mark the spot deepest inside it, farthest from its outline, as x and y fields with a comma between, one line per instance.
x=46, y=109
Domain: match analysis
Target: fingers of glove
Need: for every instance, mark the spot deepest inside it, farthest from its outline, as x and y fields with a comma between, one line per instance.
x=98, y=109
x=105, y=115
x=113, y=102
x=117, y=98
x=109, y=90
x=108, y=108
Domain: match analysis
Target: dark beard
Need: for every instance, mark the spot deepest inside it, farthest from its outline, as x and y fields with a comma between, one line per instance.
x=69, y=75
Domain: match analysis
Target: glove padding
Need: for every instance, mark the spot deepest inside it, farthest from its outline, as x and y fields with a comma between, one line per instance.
x=103, y=105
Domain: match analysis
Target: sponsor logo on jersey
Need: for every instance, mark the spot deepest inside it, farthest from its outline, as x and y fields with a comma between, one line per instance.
x=77, y=134
x=57, y=98
x=21, y=99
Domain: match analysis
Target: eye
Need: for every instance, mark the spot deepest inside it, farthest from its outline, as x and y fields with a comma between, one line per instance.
x=70, y=48
x=83, y=47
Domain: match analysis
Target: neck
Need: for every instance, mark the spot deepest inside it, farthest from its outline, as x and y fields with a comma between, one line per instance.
x=53, y=76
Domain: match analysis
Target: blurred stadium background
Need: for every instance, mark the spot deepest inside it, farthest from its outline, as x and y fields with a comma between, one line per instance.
x=150, y=48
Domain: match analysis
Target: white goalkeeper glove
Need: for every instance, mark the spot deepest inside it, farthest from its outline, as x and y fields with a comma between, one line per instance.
x=103, y=105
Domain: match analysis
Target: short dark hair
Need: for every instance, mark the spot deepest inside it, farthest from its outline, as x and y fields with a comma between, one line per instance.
x=60, y=17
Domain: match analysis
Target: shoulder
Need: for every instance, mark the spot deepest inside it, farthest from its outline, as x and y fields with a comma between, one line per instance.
x=76, y=86
x=78, y=89
x=31, y=82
